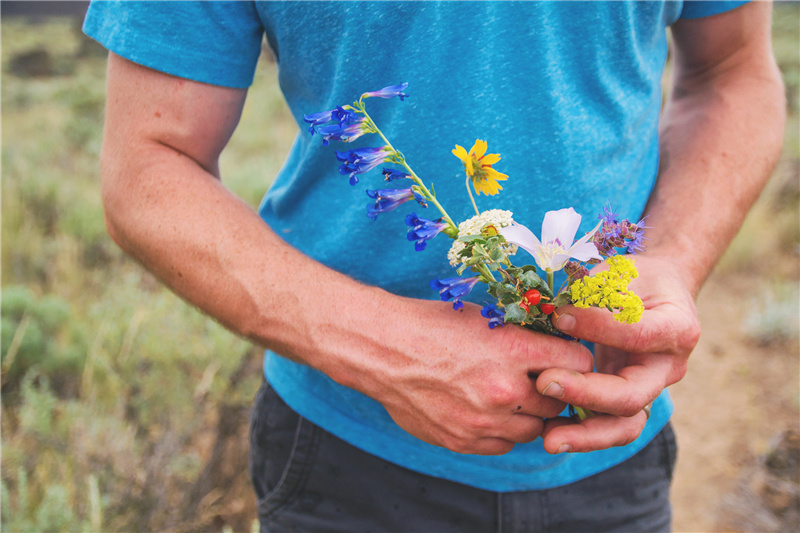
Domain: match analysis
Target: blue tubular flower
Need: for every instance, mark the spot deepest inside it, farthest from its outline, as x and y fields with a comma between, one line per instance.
x=496, y=316
x=390, y=174
x=389, y=92
x=361, y=160
x=343, y=132
x=421, y=230
x=388, y=199
x=340, y=114
x=455, y=288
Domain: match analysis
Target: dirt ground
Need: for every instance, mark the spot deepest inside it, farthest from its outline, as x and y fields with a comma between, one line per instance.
x=735, y=401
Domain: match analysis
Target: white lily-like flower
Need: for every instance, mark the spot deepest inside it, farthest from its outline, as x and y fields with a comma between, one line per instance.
x=556, y=247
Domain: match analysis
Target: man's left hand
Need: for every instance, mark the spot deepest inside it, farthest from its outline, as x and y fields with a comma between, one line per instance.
x=634, y=362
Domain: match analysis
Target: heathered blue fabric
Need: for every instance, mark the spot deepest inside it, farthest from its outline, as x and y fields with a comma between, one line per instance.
x=568, y=92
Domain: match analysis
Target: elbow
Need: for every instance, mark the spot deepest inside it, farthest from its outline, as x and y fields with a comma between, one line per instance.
x=115, y=200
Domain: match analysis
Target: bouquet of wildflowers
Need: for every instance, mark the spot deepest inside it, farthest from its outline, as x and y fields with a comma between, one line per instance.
x=523, y=295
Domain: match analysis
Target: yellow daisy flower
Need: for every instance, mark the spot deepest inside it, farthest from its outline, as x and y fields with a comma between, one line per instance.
x=478, y=165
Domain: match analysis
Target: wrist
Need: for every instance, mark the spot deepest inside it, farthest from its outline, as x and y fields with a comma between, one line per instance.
x=679, y=258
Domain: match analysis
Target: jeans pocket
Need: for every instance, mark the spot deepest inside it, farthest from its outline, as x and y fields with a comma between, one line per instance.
x=283, y=449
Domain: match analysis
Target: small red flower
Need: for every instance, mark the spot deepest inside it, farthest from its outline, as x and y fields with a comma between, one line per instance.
x=547, y=308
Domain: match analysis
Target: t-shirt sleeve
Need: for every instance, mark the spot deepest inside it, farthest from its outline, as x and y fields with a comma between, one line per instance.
x=695, y=9
x=210, y=42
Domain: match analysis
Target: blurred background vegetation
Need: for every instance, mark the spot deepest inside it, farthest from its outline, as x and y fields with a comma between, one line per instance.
x=122, y=408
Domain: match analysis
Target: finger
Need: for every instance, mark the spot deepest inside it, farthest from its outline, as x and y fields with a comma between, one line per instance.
x=661, y=329
x=534, y=404
x=623, y=394
x=521, y=428
x=491, y=446
x=539, y=406
x=541, y=352
x=598, y=432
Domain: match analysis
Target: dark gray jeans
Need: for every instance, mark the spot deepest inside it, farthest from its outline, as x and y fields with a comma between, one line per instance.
x=307, y=480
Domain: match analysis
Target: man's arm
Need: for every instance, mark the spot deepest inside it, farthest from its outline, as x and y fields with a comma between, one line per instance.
x=721, y=136
x=443, y=376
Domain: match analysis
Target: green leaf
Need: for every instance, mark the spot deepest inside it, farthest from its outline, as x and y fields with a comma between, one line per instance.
x=532, y=280
x=505, y=288
x=471, y=238
x=515, y=313
x=563, y=298
x=478, y=249
x=496, y=254
x=509, y=298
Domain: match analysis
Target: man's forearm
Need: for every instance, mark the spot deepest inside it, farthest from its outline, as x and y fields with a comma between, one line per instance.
x=721, y=136
x=213, y=250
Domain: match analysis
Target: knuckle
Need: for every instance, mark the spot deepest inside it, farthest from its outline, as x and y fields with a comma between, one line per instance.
x=640, y=340
x=458, y=444
x=502, y=394
x=511, y=342
x=481, y=425
x=504, y=448
x=631, y=404
x=690, y=337
x=630, y=435
x=679, y=369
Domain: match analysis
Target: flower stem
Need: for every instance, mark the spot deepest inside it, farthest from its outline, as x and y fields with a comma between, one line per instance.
x=550, y=279
x=485, y=272
x=469, y=191
x=413, y=175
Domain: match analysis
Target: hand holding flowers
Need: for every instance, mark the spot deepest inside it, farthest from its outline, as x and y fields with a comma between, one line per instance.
x=634, y=364
x=485, y=242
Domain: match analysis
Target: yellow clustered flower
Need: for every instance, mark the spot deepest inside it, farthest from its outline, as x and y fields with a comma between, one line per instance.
x=610, y=289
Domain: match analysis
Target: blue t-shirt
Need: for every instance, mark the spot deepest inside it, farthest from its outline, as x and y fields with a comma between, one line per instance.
x=568, y=92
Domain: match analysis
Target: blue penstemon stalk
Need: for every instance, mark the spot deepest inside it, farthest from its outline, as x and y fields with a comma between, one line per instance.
x=484, y=243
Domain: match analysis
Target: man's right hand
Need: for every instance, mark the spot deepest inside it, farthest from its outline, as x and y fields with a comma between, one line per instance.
x=449, y=380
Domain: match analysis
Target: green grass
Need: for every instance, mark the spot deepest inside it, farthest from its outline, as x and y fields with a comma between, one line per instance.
x=110, y=382
x=114, y=391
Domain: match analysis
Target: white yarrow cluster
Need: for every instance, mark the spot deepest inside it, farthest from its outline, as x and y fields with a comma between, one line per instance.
x=473, y=226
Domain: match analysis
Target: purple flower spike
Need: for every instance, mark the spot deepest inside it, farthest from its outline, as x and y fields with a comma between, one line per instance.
x=618, y=234
x=608, y=216
x=389, y=199
x=496, y=316
x=454, y=288
x=389, y=92
x=361, y=160
x=390, y=174
x=636, y=244
x=421, y=230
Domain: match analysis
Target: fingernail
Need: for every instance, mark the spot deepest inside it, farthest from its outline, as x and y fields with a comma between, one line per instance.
x=564, y=448
x=554, y=390
x=565, y=322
